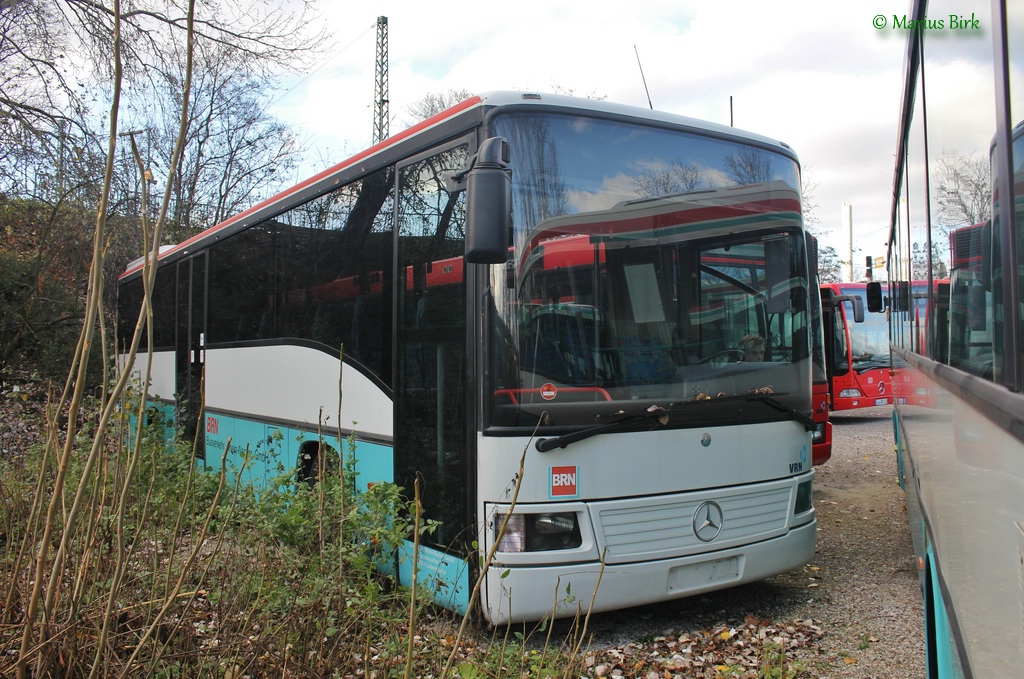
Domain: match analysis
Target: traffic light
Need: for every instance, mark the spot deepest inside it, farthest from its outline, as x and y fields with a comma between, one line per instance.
x=869, y=266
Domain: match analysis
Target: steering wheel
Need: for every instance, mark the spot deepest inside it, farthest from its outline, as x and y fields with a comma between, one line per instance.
x=723, y=357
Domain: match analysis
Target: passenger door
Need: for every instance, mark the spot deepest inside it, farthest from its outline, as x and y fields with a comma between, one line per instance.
x=190, y=347
x=431, y=406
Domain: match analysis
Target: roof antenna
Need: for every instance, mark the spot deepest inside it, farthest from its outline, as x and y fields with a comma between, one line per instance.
x=643, y=78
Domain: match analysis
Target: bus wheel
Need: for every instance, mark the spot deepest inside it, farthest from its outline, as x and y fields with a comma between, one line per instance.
x=307, y=469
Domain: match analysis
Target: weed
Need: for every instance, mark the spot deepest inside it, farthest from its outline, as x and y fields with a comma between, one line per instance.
x=773, y=664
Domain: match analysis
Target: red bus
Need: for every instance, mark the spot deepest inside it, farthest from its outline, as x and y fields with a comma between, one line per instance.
x=858, y=356
x=821, y=349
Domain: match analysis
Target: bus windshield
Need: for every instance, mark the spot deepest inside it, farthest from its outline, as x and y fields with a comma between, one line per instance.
x=666, y=270
x=869, y=341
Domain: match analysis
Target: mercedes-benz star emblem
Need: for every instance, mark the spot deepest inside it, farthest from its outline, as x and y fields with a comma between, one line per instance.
x=708, y=521
x=881, y=387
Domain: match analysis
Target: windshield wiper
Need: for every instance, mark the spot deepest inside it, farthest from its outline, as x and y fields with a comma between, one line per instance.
x=660, y=415
x=769, y=400
x=861, y=364
x=621, y=420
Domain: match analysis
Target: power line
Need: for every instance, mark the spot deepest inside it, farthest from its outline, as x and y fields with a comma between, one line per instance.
x=318, y=68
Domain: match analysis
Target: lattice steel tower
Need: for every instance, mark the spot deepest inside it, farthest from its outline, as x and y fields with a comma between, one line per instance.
x=380, y=83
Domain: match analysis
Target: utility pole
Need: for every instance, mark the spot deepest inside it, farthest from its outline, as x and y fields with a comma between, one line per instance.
x=848, y=228
x=380, y=83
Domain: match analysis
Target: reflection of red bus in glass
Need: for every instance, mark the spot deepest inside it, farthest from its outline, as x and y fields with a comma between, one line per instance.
x=562, y=268
x=927, y=314
x=859, y=349
x=971, y=327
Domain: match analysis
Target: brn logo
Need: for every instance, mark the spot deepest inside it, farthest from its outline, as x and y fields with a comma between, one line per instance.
x=564, y=481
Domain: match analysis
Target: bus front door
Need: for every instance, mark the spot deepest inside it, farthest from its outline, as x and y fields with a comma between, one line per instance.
x=190, y=348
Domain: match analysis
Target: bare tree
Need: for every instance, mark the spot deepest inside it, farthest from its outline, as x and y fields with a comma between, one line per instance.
x=433, y=103
x=34, y=88
x=678, y=178
x=43, y=92
x=749, y=165
x=964, y=190
x=919, y=262
x=830, y=266
x=808, y=200
x=235, y=151
x=56, y=100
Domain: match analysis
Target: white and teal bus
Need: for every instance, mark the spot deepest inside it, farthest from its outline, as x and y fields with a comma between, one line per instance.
x=524, y=275
x=956, y=345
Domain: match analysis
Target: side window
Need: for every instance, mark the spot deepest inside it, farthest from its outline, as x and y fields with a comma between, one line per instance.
x=972, y=323
x=129, y=303
x=164, y=319
x=333, y=262
x=318, y=272
x=241, y=287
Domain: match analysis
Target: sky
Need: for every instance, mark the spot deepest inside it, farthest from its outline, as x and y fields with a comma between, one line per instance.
x=821, y=77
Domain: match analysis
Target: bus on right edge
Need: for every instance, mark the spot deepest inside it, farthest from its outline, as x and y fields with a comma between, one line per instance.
x=960, y=451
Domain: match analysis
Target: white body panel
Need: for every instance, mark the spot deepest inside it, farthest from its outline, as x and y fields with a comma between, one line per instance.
x=293, y=383
x=282, y=383
x=964, y=485
x=648, y=463
x=161, y=384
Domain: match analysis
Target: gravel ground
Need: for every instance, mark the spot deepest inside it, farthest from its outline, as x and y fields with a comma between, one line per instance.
x=869, y=583
x=855, y=611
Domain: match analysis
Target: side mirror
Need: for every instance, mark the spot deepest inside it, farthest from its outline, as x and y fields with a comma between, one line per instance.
x=489, y=203
x=855, y=301
x=874, y=295
x=858, y=309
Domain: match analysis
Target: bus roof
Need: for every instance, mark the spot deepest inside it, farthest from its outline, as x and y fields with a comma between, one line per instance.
x=460, y=117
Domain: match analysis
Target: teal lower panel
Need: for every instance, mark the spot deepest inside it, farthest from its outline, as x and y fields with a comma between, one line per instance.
x=156, y=411
x=900, y=473
x=947, y=659
x=443, y=577
x=271, y=453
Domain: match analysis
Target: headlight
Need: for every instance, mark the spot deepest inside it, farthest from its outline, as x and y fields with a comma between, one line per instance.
x=538, y=532
x=804, y=495
x=819, y=432
x=850, y=393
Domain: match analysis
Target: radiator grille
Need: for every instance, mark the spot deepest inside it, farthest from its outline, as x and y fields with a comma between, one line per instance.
x=662, y=527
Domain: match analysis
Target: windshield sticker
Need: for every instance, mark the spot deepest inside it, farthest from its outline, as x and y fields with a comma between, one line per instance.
x=548, y=391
